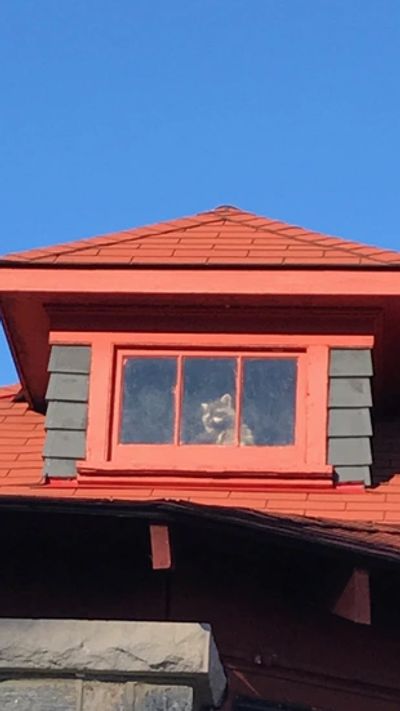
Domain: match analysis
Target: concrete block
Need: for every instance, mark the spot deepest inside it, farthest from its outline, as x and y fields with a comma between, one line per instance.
x=65, y=444
x=353, y=474
x=349, y=451
x=66, y=415
x=170, y=653
x=70, y=359
x=350, y=422
x=39, y=695
x=60, y=468
x=104, y=696
x=68, y=387
x=154, y=697
x=350, y=392
x=351, y=361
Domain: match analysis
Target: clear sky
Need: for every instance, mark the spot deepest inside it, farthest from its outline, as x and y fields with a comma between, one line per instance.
x=116, y=113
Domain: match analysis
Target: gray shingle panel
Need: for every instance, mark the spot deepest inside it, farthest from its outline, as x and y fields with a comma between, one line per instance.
x=65, y=443
x=70, y=359
x=350, y=422
x=68, y=387
x=353, y=474
x=60, y=468
x=349, y=361
x=350, y=392
x=349, y=451
x=66, y=415
x=66, y=418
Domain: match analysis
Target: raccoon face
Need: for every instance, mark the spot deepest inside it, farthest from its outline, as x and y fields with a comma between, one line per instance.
x=218, y=415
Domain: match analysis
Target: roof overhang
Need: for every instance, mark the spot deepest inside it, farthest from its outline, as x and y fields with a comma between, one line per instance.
x=363, y=543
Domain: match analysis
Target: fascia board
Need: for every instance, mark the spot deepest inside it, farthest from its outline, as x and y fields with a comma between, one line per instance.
x=123, y=282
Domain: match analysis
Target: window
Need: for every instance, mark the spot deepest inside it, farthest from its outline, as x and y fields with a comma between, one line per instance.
x=184, y=409
x=209, y=400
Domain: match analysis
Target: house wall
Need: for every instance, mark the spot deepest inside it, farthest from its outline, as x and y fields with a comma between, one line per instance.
x=269, y=605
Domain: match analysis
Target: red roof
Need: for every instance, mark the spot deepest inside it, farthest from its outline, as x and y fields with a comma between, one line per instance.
x=223, y=236
x=21, y=444
x=21, y=441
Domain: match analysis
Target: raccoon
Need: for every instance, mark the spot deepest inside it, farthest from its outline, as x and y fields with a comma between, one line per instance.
x=218, y=418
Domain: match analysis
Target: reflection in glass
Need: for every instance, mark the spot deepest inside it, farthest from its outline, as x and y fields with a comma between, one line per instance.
x=268, y=400
x=148, y=407
x=208, y=407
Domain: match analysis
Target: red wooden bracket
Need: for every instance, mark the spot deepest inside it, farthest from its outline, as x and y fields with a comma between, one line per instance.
x=160, y=547
x=354, y=600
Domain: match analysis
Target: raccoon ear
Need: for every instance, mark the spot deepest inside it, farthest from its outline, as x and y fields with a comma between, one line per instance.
x=226, y=399
x=204, y=406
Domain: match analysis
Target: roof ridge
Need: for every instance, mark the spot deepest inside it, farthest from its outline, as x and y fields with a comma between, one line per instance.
x=323, y=236
x=72, y=246
x=133, y=238
x=225, y=209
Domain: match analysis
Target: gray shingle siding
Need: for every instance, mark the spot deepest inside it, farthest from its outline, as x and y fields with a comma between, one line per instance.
x=70, y=359
x=351, y=362
x=66, y=415
x=66, y=418
x=346, y=422
x=349, y=417
x=64, y=387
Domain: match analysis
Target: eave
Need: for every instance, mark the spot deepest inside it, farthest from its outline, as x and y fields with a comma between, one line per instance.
x=360, y=542
x=376, y=281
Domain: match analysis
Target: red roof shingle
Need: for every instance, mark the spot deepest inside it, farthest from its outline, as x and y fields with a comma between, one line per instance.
x=21, y=441
x=223, y=236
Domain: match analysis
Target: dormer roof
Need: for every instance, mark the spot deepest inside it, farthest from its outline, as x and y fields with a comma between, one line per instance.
x=225, y=235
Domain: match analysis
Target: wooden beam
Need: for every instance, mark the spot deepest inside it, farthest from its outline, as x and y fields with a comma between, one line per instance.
x=160, y=547
x=354, y=600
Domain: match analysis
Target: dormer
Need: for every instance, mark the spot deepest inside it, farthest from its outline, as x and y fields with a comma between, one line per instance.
x=222, y=351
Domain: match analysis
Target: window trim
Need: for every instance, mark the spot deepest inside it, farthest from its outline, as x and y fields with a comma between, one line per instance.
x=98, y=464
x=210, y=458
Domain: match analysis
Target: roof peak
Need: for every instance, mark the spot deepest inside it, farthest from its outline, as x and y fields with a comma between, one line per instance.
x=221, y=209
x=229, y=208
x=225, y=236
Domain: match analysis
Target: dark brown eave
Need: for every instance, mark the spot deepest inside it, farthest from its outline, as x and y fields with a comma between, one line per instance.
x=359, y=542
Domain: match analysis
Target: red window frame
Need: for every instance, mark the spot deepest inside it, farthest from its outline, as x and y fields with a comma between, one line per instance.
x=209, y=457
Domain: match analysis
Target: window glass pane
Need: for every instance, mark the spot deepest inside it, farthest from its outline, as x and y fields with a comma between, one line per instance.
x=208, y=408
x=269, y=400
x=148, y=408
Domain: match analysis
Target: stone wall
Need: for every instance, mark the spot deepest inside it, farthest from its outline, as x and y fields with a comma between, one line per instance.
x=76, y=665
x=46, y=694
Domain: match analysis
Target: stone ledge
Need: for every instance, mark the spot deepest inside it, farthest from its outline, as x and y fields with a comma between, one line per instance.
x=155, y=652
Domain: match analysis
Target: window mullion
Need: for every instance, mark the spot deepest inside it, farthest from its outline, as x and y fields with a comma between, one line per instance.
x=178, y=400
x=238, y=398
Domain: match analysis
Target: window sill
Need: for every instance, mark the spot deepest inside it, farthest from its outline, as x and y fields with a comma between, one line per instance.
x=88, y=470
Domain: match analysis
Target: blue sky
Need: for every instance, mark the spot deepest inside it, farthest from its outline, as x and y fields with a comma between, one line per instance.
x=115, y=114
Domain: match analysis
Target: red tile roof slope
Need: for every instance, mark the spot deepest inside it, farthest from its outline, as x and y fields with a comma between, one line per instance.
x=21, y=441
x=21, y=445
x=223, y=236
